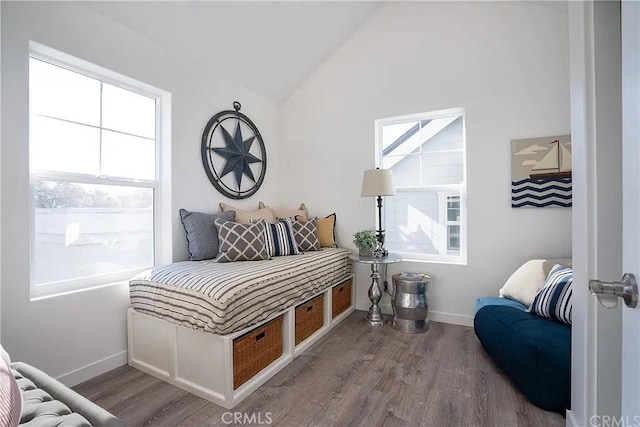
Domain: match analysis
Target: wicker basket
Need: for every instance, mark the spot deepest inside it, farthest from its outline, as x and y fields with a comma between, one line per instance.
x=255, y=350
x=340, y=298
x=309, y=318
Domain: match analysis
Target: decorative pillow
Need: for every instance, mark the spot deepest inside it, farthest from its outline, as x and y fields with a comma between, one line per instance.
x=327, y=231
x=241, y=242
x=10, y=394
x=554, y=299
x=287, y=213
x=245, y=217
x=306, y=234
x=279, y=238
x=526, y=281
x=202, y=235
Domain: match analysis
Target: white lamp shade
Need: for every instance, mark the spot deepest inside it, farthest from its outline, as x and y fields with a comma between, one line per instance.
x=378, y=182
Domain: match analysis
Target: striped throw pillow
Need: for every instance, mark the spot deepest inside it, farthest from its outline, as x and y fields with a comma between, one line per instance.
x=553, y=301
x=280, y=239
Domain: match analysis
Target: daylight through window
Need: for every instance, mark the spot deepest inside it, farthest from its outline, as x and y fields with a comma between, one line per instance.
x=93, y=166
x=426, y=220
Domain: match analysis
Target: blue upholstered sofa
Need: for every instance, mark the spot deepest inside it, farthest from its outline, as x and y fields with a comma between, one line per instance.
x=534, y=352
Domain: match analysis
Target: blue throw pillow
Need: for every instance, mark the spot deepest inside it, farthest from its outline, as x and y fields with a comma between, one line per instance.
x=553, y=301
x=202, y=236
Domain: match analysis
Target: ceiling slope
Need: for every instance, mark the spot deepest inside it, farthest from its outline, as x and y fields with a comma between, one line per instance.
x=268, y=47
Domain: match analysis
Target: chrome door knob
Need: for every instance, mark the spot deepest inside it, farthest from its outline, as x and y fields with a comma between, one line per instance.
x=627, y=289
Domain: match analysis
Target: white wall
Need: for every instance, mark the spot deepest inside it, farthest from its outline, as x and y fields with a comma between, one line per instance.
x=66, y=333
x=506, y=63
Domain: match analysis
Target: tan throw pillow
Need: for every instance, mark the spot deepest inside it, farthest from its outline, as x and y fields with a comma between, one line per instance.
x=326, y=231
x=287, y=213
x=245, y=217
x=526, y=281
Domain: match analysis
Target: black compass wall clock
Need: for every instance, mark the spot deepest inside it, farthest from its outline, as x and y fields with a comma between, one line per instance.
x=233, y=154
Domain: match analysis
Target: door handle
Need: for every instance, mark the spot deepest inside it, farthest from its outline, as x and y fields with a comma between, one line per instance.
x=627, y=289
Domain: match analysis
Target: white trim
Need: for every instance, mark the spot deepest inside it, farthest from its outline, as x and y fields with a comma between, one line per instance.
x=451, y=318
x=436, y=316
x=418, y=116
x=571, y=421
x=583, y=350
x=93, y=369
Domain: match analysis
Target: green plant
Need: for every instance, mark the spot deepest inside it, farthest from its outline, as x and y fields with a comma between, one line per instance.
x=365, y=239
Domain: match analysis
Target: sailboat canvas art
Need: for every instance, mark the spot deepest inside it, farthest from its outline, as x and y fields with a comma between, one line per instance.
x=541, y=172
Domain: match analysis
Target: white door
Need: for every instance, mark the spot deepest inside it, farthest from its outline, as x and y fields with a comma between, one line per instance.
x=631, y=205
x=606, y=209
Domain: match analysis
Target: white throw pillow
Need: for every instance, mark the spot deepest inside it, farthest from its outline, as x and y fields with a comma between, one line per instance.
x=526, y=281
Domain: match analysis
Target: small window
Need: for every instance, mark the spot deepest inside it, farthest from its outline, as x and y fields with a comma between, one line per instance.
x=94, y=171
x=426, y=219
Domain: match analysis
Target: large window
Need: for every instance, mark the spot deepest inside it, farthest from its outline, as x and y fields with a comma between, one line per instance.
x=426, y=220
x=94, y=172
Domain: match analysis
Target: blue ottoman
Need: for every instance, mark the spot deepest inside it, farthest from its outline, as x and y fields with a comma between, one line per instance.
x=535, y=353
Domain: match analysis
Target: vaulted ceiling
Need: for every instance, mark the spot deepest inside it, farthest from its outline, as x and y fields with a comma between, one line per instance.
x=268, y=47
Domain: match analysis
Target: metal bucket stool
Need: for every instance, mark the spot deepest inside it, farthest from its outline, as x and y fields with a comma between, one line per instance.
x=409, y=302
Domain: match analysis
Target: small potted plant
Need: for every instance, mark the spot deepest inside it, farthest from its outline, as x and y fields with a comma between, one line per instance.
x=365, y=241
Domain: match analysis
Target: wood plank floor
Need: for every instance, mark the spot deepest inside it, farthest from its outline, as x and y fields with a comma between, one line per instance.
x=357, y=375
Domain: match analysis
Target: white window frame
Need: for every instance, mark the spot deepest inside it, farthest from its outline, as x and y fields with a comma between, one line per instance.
x=159, y=185
x=443, y=190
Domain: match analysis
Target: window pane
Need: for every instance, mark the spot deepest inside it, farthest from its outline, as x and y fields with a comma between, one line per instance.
x=60, y=93
x=454, y=237
x=84, y=230
x=128, y=156
x=63, y=146
x=412, y=223
x=406, y=170
x=443, y=134
x=128, y=112
x=398, y=137
x=442, y=168
x=453, y=208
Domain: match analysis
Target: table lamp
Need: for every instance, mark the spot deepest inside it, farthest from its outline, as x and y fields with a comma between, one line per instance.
x=377, y=183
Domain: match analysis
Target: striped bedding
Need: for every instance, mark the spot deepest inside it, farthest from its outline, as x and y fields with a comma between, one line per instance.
x=226, y=297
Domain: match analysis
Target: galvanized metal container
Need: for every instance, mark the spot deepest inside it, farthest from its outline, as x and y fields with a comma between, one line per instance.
x=410, y=303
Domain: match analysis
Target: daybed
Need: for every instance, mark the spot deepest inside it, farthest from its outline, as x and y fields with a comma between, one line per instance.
x=533, y=351
x=220, y=330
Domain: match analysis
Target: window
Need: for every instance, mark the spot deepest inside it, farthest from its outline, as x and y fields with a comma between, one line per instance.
x=426, y=219
x=94, y=172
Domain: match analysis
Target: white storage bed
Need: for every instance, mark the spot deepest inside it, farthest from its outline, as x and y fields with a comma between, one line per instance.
x=177, y=350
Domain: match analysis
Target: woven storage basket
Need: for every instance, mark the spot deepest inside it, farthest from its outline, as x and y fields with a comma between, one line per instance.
x=340, y=298
x=255, y=350
x=309, y=318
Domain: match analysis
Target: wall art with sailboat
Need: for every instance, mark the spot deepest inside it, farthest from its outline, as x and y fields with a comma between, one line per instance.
x=541, y=172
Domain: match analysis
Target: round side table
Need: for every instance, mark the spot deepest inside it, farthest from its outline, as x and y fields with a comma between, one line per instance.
x=375, y=316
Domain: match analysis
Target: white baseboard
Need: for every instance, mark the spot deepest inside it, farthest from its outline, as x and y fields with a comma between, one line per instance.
x=94, y=369
x=454, y=319
x=436, y=316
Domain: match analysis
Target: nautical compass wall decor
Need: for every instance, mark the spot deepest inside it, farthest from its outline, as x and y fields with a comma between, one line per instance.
x=233, y=154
